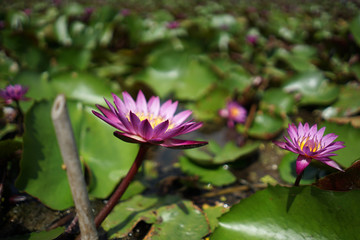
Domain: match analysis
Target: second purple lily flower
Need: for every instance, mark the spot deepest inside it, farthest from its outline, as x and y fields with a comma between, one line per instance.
x=234, y=112
x=310, y=144
x=139, y=121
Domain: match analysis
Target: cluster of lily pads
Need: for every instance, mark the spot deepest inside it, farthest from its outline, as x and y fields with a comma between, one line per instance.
x=246, y=72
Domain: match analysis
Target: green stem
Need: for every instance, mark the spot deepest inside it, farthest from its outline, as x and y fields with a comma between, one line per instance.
x=20, y=118
x=114, y=199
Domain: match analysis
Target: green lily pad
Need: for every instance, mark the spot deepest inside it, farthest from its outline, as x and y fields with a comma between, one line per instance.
x=292, y=213
x=171, y=218
x=355, y=29
x=216, y=175
x=213, y=213
x=217, y=155
x=265, y=126
x=41, y=165
x=81, y=86
x=45, y=235
x=179, y=71
x=350, y=136
x=347, y=104
x=277, y=100
x=313, y=88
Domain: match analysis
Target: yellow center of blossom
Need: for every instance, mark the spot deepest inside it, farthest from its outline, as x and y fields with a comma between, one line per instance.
x=234, y=112
x=153, y=120
x=310, y=143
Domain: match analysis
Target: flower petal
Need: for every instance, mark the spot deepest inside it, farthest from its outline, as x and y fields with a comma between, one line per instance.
x=120, y=105
x=332, y=164
x=182, y=144
x=141, y=104
x=135, y=121
x=154, y=106
x=160, y=129
x=145, y=129
x=128, y=137
x=301, y=163
x=181, y=117
x=129, y=101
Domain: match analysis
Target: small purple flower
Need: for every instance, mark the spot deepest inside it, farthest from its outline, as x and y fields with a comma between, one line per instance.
x=148, y=122
x=28, y=11
x=234, y=112
x=14, y=93
x=310, y=144
x=173, y=25
x=125, y=12
x=252, y=39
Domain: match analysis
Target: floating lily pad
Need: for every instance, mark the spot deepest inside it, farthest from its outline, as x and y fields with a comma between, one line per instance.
x=177, y=70
x=313, y=88
x=45, y=235
x=217, y=155
x=277, y=100
x=265, y=126
x=41, y=166
x=350, y=136
x=171, y=218
x=347, y=104
x=216, y=175
x=213, y=213
x=292, y=213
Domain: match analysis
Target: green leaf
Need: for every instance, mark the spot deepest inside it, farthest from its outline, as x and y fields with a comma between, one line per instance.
x=278, y=100
x=171, y=218
x=217, y=155
x=265, y=126
x=45, y=235
x=313, y=88
x=107, y=157
x=350, y=136
x=81, y=86
x=216, y=175
x=348, y=103
x=292, y=213
x=212, y=213
x=355, y=29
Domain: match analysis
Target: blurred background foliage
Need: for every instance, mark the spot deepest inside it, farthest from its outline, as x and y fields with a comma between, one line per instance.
x=284, y=62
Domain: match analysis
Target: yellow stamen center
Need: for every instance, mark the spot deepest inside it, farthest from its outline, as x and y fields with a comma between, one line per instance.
x=310, y=143
x=153, y=120
x=234, y=112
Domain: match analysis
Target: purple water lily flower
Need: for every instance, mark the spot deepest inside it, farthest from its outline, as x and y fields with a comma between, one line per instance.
x=234, y=112
x=252, y=39
x=310, y=144
x=149, y=122
x=14, y=93
x=173, y=25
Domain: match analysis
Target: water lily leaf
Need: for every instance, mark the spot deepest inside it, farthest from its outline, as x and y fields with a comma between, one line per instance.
x=169, y=216
x=207, y=108
x=216, y=175
x=287, y=170
x=347, y=104
x=212, y=213
x=313, y=88
x=179, y=71
x=81, y=86
x=342, y=181
x=41, y=166
x=292, y=213
x=275, y=99
x=349, y=135
x=74, y=58
x=213, y=154
x=109, y=159
x=355, y=29
x=45, y=235
x=265, y=126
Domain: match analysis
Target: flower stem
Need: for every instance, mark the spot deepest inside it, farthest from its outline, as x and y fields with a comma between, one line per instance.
x=122, y=186
x=20, y=118
x=297, y=181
